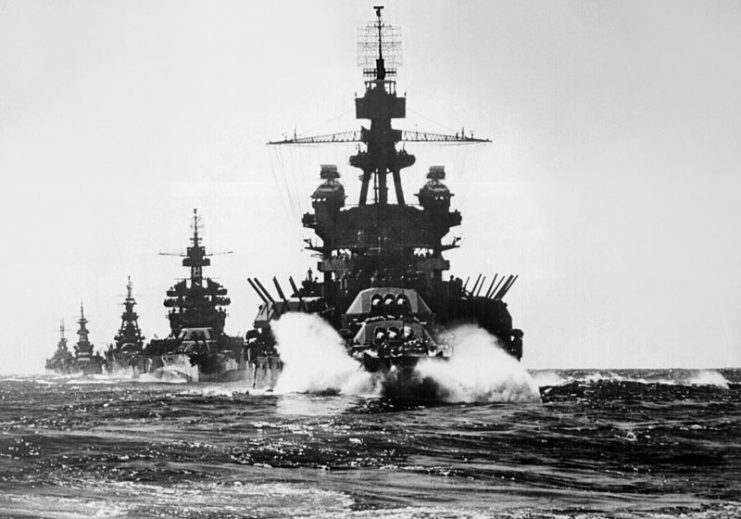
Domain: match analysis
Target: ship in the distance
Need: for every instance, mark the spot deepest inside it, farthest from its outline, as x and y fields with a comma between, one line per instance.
x=197, y=348
x=124, y=355
x=84, y=361
x=381, y=264
x=63, y=361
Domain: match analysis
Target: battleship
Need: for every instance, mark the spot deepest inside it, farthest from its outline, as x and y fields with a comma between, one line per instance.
x=63, y=361
x=381, y=264
x=84, y=360
x=123, y=357
x=197, y=348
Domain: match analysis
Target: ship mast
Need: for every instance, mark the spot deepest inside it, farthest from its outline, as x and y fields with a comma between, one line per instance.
x=380, y=69
x=196, y=257
x=62, y=339
x=380, y=104
x=83, y=332
x=379, y=53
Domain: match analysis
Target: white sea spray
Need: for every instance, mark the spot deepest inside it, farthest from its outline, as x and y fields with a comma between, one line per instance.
x=708, y=378
x=547, y=378
x=315, y=358
x=479, y=370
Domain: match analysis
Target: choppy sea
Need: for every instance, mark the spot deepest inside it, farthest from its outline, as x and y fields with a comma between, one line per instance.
x=651, y=444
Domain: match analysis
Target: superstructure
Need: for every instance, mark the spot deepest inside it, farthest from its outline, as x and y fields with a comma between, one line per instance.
x=382, y=262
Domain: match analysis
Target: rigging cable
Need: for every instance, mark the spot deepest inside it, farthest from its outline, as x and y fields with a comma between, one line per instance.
x=331, y=120
x=431, y=120
x=286, y=184
x=273, y=167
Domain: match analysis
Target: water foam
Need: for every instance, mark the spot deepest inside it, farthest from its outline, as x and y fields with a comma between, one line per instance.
x=162, y=377
x=315, y=359
x=227, y=389
x=679, y=377
x=479, y=370
x=547, y=378
x=122, y=373
x=708, y=378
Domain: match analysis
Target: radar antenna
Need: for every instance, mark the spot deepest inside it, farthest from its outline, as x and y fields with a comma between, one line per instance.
x=379, y=46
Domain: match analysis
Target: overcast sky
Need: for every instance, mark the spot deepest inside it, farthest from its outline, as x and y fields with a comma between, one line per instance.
x=611, y=185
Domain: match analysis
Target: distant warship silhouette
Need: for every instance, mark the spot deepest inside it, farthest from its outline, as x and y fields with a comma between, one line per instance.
x=63, y=361
x=124, y=354
x=84, y=360
x=197, y=348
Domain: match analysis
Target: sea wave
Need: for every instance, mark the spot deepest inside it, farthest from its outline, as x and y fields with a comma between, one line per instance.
x=714, y=378
x=139, y=499
x=163, y=377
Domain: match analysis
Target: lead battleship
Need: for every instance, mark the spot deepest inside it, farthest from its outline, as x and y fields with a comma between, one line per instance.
x=381, y=263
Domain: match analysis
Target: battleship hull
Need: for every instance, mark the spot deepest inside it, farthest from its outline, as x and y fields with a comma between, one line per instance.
x=125, y=365
x=373, y=364
x=77, y=367
x=260, y=373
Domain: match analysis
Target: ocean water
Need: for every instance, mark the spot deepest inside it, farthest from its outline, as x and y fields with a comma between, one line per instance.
x=653, y=444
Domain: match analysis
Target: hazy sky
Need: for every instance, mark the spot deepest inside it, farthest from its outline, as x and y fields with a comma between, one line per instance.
x=611, y=186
